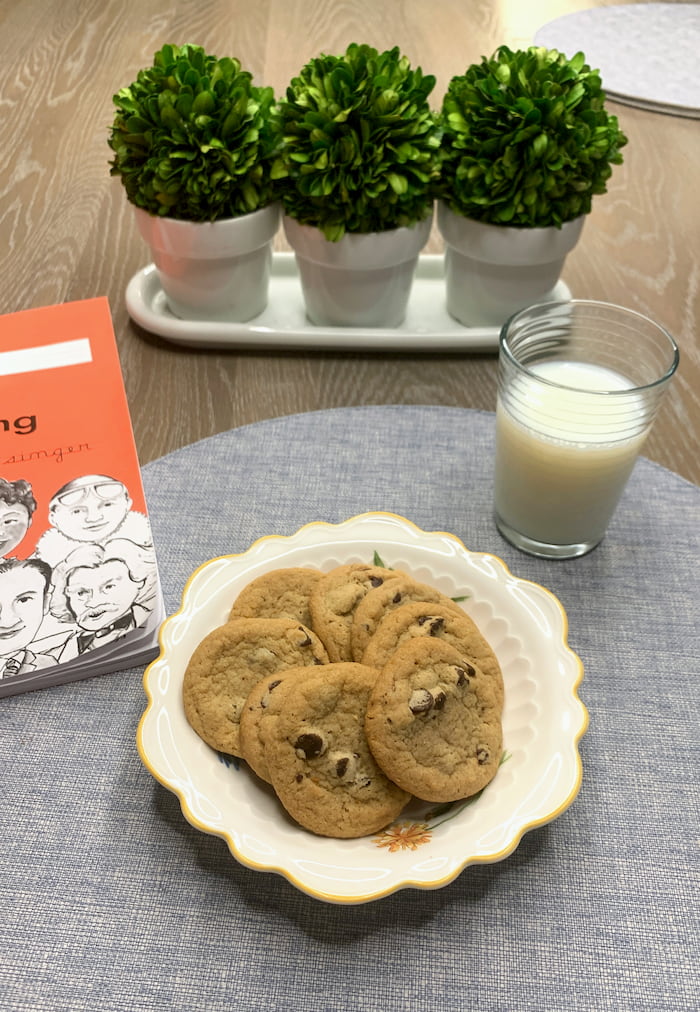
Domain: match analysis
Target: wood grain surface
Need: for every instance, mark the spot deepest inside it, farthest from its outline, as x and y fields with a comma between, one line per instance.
x=67, y=232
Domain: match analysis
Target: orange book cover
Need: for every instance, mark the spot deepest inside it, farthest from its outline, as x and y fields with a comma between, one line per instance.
x=79, y=588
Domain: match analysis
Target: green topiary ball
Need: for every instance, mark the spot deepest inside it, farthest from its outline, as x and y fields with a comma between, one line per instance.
x=527, y=140
x=361, y=145
x=194, y=139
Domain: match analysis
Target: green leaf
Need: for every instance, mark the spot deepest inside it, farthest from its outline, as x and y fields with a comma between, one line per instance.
x=539, y=145
x=137, y=125
x=399, y=184
x=577, y=63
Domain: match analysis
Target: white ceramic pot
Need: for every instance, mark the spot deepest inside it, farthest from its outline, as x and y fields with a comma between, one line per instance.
x=492, y=271
x=217, y=270
x=363, y=280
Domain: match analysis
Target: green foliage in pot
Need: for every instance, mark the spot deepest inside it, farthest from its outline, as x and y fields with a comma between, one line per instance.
x=527, y=140
x=361, y=145
x=193, y=138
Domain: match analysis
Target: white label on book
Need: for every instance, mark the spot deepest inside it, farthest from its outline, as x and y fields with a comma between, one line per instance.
x=46, y=356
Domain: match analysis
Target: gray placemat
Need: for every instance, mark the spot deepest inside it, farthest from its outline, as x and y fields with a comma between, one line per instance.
x=110, y=900
x=646, y=53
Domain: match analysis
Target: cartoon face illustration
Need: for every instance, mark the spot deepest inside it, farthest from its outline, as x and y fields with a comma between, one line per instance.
x=100, y=595
x=90, y=508
x=22, y=596
x=16, y=507
x=14, y=522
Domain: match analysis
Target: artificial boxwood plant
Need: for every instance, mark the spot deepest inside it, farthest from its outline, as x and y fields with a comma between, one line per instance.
x=527, y=139
x=361, y=146
x=194, y=138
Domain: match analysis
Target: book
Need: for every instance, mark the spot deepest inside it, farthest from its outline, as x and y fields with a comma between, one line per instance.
x=80, y=593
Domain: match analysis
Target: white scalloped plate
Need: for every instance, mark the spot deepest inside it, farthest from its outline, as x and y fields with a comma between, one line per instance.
x=428, y=846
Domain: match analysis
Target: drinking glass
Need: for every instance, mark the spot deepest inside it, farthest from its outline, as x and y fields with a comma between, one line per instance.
x=579, y=386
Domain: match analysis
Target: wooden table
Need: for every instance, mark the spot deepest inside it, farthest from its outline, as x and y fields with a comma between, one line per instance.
x=67, y=232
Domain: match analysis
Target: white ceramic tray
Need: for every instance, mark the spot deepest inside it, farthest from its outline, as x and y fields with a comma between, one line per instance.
x=428, y=326
x=429, y=845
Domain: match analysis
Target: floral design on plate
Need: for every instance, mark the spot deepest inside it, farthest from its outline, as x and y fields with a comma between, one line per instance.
x=409, y=835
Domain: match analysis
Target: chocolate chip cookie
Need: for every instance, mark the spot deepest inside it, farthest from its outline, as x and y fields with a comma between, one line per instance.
x=433, y=721
x=230, y=661
x=433, y=621
x=281, y=593
x=263, y=702
x=317, y=754
x=335, y=598
x=380, y=601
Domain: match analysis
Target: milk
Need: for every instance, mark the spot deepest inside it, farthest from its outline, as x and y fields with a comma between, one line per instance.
x=564, y=455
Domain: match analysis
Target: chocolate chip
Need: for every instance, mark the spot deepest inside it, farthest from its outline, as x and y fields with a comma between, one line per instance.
x=421, y=701
x=265, y=701
x=463, y=673
x=396, y=598
x=299, y=777
x=376, y=581
x=309, y=746
x=439, y=700
x=436, y=623
x=345, y=765
x=482, y=755
x=306, y=642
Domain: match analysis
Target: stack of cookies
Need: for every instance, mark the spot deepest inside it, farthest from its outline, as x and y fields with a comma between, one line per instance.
x=350, y=692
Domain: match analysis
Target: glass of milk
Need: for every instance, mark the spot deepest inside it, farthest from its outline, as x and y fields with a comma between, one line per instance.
x=579, y=386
